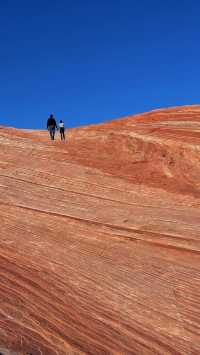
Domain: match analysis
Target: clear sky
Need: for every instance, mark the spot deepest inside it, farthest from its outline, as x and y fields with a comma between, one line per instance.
x=89, y=61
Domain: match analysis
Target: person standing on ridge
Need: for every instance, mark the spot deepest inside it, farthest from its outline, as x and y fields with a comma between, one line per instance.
x=51, y=126
x=62, y=130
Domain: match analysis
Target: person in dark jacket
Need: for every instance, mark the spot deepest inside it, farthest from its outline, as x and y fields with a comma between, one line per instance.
x=51, y=126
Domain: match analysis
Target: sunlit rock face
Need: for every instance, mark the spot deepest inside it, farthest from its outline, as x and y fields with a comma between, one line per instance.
x=100, y=238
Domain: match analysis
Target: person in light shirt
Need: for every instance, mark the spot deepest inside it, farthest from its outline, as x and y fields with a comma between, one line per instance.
x=62, y=130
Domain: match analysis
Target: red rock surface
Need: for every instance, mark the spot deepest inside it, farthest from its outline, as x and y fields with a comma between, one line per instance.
x=99, y=238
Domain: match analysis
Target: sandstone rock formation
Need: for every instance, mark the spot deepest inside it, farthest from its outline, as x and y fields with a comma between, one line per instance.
x=100, y=238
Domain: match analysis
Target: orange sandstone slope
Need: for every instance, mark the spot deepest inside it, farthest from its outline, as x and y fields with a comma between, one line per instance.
x=99, y=238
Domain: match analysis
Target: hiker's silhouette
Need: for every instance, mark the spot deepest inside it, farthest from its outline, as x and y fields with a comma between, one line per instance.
x=51, y=126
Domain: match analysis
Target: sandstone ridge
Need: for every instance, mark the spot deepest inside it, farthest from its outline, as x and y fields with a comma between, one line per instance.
x=99, y=237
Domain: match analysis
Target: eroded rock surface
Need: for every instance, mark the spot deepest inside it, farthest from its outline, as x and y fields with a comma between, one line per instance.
x=99, y=238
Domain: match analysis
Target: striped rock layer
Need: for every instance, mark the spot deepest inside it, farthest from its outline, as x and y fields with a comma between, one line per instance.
x=100, y=238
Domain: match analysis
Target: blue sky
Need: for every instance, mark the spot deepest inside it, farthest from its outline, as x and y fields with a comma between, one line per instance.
x=89, y=61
